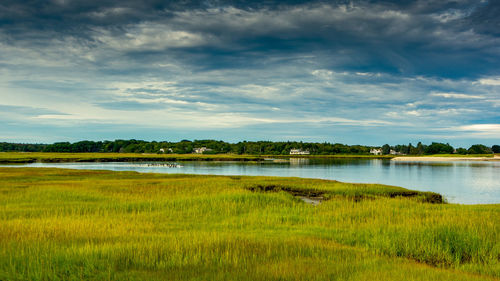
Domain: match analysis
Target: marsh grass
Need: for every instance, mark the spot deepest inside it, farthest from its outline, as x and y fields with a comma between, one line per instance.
x=57, y=157
x=58, y=224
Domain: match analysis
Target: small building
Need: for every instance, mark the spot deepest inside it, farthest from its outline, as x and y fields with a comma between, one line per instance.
x=394, y=152
x=376, y=151
x=162, y=150
x=201, y=150
x=168, y=150
x=299, y=152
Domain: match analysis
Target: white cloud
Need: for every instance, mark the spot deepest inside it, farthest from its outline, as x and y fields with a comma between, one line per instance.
x=257, y=92
x=493, y=128
x=438, y=114
x=479, y=130
x=494, y=81
x=346, y=121
x=60, y=117
x=456, y=95
x=449, y=15
x=415, y=104
x=323, y=73
x=151, y=36
x=414, y=112
x=108, y=12
x=146, y=88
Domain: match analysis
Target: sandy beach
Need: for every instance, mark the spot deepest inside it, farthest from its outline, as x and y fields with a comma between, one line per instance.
x=433, y=158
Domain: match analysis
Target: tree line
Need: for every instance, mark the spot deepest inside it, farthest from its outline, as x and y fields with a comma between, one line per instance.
x=244, y=147
x=439, y=148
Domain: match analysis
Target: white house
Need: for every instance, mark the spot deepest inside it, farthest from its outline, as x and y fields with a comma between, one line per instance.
x=376, y=151
x=299, y=152
x=394, y=152
x=200, y=150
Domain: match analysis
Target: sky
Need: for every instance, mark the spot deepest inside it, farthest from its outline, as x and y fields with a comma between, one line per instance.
x=355, y=72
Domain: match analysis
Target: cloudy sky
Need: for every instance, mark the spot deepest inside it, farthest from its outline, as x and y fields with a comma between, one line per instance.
x=357, y=72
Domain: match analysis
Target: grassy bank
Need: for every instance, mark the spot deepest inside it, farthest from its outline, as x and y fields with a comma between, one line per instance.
x=351, y=156
x=49, y=157
x=58, y=224
x=53, y=157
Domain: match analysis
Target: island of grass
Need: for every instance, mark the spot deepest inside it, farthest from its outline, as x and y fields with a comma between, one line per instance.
x=61, y=224
x=59, y=157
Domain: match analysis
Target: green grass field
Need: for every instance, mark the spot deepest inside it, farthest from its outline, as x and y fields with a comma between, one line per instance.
x=29, y=157
x=49, y=157
x=58, y=224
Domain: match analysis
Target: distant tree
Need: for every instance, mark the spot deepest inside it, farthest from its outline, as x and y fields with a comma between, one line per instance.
x=439, y=148
x=386, y=149
x=495, y=149
x=58, y=147
x=243, y=147
x=461, y=150
x=479, y=149
x=420, y=148
x=410, y=148
x=5, y=146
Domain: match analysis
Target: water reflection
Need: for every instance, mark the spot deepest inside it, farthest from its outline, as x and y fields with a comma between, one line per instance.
x=299, y=161
x=459, y=181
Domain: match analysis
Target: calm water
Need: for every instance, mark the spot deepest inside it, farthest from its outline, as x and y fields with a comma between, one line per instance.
x=464, y=182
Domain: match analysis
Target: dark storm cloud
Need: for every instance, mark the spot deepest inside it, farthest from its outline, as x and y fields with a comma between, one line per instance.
x=306, y=66
x=485, y=18
x=448, y=38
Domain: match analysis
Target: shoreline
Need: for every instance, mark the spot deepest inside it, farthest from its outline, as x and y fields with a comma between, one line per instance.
x=62, y=157
x=443, y=159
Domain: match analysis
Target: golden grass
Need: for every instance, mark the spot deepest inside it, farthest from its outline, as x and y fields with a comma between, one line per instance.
x=29, y=157
x=58, y=224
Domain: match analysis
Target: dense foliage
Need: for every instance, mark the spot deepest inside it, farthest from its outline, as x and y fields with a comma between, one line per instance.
x=245, y=147
x=479, y=149
x=495, y=148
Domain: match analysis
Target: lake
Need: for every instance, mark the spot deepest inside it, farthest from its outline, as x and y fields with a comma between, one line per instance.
x=464, y=182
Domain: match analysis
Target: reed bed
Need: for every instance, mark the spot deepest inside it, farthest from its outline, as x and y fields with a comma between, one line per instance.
x=57, y=157
x=59, y=224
